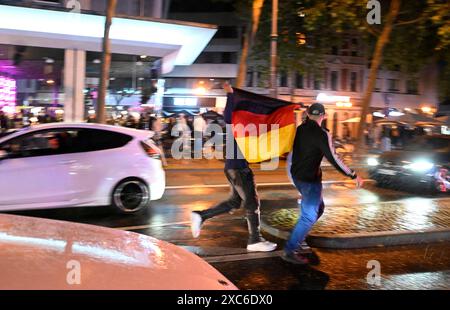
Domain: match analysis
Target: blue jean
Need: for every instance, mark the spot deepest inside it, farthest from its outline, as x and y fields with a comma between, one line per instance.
x=312, y=208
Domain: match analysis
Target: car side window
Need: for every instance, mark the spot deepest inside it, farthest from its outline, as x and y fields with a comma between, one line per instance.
x=90, y=140
x=41, y=143
x=63, y=141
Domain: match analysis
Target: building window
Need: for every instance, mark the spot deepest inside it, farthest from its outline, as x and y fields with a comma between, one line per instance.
x=345, y=48
x=334, y=80
x=412, y=87
x=353, y=81
x=379, y=85
x=226, y=32
x=249, y=78
x=260, y=82
x=334, y=50
x=47, y=1
x=205, y=57
x=316, y=84
x=130, y=8
x=299, y=80
x=217, y=58
x=344, y=79
x=227, y=57
x=393, y=85
x=283, y=81
x=354, y=48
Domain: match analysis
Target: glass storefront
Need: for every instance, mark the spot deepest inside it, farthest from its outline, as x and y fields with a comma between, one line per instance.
x=32, y=84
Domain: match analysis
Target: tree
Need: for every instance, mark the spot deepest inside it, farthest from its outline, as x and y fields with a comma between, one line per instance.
x=106, y=63
x=248, y=41
x=410, y=34
x=382, y=40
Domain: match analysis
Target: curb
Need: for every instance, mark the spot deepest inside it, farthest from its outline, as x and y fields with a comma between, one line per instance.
x=189, y=169
x=366, y=240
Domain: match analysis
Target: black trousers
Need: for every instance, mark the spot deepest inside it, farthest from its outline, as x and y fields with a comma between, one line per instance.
x=243, y=192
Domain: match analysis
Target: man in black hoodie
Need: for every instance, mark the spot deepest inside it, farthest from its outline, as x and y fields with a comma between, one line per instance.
x=311, y=144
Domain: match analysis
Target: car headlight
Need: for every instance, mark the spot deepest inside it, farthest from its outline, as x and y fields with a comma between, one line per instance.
x=372, y=161
x=420, y=166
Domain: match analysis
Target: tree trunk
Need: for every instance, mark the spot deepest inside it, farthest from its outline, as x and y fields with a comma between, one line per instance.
x=249, y=39
x=106, y=64
x=383, y=39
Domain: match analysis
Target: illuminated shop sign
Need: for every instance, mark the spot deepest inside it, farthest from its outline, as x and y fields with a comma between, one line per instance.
x=8, y=91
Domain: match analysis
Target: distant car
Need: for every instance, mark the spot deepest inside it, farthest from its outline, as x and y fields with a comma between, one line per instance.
x=423, y=165
x=66, y=165
x=41, y=254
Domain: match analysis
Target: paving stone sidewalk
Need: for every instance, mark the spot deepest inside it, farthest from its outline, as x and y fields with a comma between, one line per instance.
x=415, y=220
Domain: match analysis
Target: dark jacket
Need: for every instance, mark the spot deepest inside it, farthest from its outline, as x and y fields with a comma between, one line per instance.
x=311, y=144
x=237, y=160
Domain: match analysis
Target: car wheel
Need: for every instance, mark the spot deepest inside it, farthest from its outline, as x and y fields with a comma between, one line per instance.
x=131, y=196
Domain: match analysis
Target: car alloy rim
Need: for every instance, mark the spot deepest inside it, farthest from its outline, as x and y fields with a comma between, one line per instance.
x=131, y=196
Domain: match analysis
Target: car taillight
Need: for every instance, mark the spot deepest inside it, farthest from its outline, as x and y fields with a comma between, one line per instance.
x=152, y=152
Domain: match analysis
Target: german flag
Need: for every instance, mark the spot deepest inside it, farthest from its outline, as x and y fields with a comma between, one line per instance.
x=263, y=127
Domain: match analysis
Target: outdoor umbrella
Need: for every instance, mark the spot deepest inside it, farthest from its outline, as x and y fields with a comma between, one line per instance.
x=410, y=119
x=352, y=120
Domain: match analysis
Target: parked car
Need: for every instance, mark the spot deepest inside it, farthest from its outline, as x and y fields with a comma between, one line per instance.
x=424, y=165
x=66, y=165
x=41, y=254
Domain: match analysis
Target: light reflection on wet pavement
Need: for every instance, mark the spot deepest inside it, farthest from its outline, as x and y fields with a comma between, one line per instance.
x=407, y=215
x=402, y=267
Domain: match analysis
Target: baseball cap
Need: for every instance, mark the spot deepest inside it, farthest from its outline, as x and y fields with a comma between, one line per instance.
x=316, y=109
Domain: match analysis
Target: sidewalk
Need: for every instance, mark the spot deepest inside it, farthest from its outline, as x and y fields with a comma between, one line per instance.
x=411, y=221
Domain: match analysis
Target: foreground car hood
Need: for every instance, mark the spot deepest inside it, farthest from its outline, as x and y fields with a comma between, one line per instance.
x=45, y=254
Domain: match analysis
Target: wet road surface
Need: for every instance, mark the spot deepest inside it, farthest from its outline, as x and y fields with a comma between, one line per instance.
x=223, y=239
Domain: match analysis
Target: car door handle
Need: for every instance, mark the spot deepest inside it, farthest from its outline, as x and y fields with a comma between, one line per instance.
x=67, y=162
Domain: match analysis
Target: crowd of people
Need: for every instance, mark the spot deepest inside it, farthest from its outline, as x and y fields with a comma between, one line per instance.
x=193, y=127
x=25, y=118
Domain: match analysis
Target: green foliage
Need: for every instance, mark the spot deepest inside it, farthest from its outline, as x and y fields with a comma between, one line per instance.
x=421, y=34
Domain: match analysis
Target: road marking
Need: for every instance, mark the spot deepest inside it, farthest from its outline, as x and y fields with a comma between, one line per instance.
x=259, y=184
x=146, y=226
x=240, y=257
x=152, y=225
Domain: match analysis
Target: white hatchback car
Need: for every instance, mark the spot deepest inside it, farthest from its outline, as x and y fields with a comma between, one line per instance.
x=74, y=165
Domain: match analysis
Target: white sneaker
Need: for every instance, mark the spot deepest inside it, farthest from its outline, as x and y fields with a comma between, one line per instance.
x=196, y=224
x=263, y=246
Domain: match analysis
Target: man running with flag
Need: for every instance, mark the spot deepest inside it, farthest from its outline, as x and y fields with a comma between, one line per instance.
x=243, y=108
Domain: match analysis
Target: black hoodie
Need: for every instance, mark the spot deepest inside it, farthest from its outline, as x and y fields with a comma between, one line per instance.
x=311, y=144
